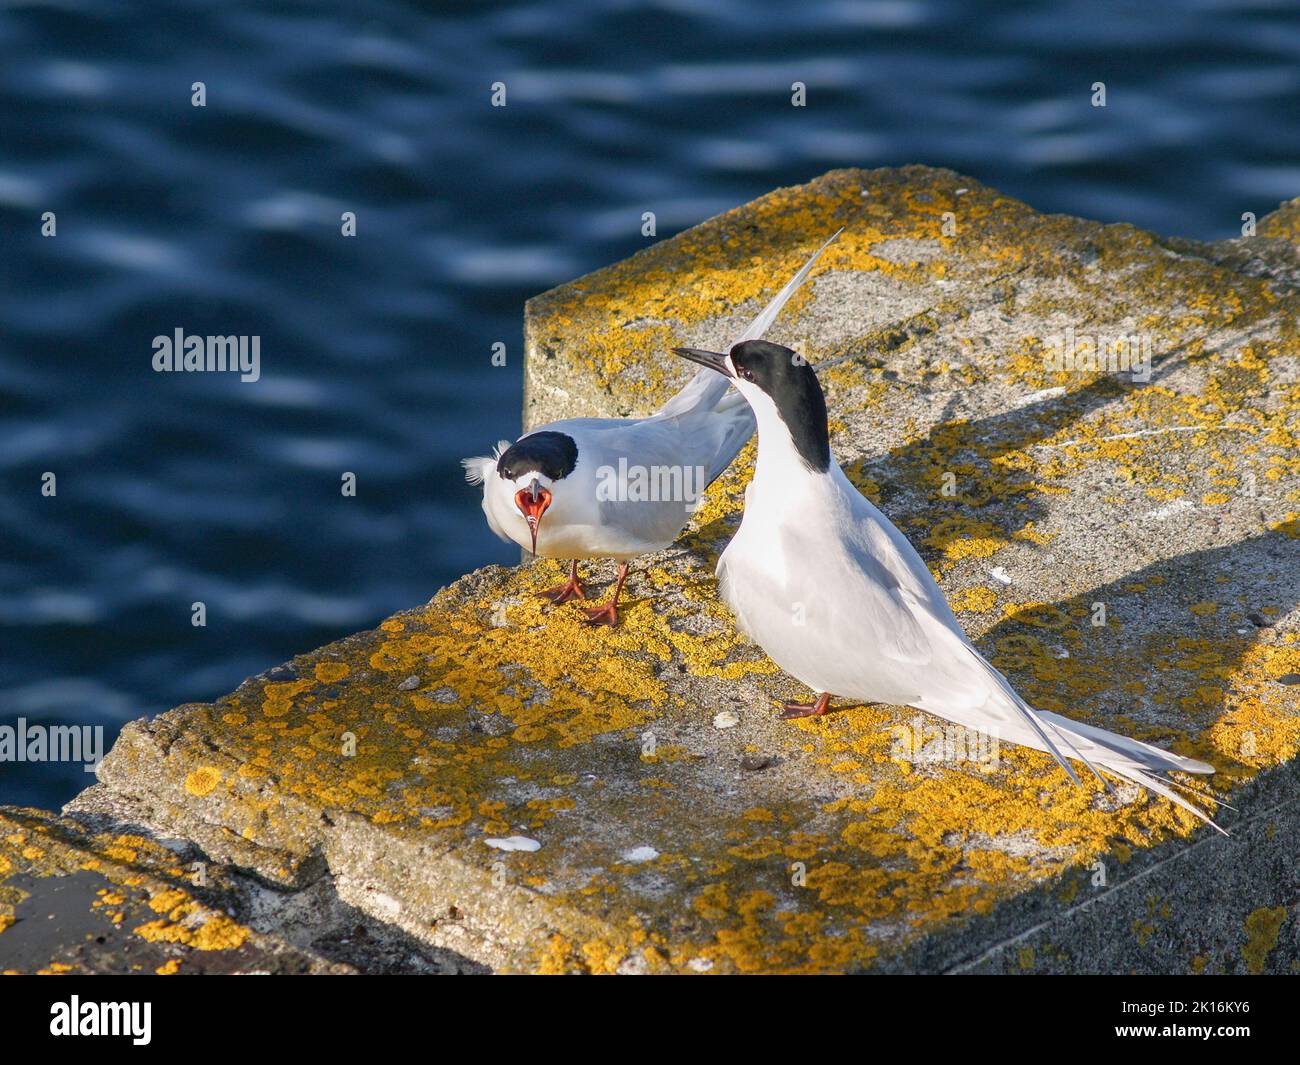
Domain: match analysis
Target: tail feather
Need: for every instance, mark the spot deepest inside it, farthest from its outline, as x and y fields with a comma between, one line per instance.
x=1162, y=787
x=708, y=388
x=1143, y=754
x=1064, y=735
x=1127, y=758
x=1204, y=796
x=1030, y=717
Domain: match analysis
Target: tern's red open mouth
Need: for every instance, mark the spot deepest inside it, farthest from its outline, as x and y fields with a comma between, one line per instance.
x=532, y=504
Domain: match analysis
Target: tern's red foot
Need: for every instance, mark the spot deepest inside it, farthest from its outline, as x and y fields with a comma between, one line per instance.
x=790, y=711
x=602, y=615
x=608, y=614
x=570, y=589
x=564, y=592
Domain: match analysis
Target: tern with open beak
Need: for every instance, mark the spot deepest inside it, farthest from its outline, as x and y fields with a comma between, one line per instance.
x=840, y=600
x=619, y=487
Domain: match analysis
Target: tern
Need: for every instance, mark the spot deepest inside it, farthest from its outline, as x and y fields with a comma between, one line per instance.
x=619, y=487
x=840, y=600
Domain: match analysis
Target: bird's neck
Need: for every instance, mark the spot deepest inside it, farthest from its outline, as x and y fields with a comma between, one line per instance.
x=780, y=472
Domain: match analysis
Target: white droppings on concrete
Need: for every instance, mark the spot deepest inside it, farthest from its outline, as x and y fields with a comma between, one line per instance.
x=514, y=843
x=386, y=903
x=1000, y=575
x=640, y=854
x=725, y=719
x=1036, y=397
x=1166, y=512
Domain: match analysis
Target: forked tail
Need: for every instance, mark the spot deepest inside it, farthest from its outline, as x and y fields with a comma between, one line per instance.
x=1130, y=759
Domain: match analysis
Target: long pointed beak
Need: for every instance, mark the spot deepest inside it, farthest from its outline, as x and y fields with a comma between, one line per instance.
x=711, y=359
x=532, y=503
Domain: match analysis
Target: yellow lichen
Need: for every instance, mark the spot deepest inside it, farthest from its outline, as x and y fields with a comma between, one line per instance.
x=1262, y=928
x=202, y=781
x=329, y=672
x=976, y=600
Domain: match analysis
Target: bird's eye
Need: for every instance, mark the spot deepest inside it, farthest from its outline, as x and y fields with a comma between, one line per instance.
x=746, y=373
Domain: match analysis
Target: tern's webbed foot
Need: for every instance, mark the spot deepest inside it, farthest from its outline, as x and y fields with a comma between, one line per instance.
x=603, y=615
x=562, y=593
x=570, y=589
x=608, y=614
x=791, y=711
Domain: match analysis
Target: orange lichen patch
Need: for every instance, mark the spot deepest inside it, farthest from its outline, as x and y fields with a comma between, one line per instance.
x=328, y=672
x=279, y=696
x=169, y=968
x=712, y=903
x=758, y=849
x=976, y=600
x=1262, y=928
x=1284, y=223
x=170, y=902
x=600, y=957
x=960, y=538
x=1039, y=615
x=192, y=926
x=666, y=752
x=554, y=957
x=126, y=848
x=202, y=781
x=1252, y=733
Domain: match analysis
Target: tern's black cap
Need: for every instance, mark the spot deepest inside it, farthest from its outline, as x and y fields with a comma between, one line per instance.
x=549, y=453
x=793, y=387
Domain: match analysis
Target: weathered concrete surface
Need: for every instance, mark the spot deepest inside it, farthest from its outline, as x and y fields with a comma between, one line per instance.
x=87, y=895
x=667, y=844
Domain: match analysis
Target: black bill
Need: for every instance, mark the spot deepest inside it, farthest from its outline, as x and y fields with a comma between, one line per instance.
x=711, y=359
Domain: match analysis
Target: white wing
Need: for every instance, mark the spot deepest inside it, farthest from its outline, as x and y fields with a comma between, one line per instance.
x=768, y=315
x=674, y=456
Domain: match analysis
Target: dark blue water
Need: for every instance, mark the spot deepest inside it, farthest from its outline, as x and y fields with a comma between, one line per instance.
x=376, y=350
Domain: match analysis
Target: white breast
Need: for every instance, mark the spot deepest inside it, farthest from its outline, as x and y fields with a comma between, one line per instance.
x=831, y=615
